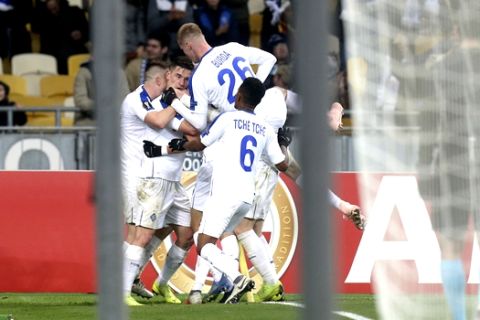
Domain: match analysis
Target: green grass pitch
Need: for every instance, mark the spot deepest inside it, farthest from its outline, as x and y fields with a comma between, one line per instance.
x=83, y=306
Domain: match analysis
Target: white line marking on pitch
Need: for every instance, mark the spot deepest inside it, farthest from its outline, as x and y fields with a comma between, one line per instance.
x=344, y=314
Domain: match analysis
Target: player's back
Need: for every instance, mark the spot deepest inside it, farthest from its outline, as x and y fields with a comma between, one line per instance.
x=243, y=140
x=228, y=65
x=273, y=108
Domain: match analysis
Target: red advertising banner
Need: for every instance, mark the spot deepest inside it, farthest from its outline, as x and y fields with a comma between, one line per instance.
x=48, y=233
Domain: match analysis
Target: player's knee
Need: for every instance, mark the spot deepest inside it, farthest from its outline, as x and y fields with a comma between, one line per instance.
x=143, y=237
x=244, y=226
x=185, y=242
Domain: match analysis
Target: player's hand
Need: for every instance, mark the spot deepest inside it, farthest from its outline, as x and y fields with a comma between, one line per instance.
x=284, y=136
x=353, y=213
x=151, y=150
x=177, y=144
x=168, y=96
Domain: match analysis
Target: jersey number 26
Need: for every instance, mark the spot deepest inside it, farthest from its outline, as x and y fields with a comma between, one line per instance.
x=242, y=72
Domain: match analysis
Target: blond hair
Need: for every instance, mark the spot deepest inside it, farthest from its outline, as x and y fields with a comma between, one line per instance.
x=187, y=31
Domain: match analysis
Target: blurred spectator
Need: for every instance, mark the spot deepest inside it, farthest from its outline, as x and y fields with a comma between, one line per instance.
x=271, y=20
x=84, y=94
x=278, y=46
x=135, y=25
x=19, y=117
x=157, y=48
x=282, y=75
x=63, y=30
x=14, y=37
x=241, y=15
x=168, y=16
x=217, y=23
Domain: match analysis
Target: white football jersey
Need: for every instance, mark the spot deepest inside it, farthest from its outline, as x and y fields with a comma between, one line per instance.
x=168, y=167
x=221, y=71
x=273, y=108
x=135, y=107
x=241, y=138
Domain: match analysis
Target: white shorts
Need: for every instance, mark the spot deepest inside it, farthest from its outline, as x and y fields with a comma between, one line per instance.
x=202, y=186
x=130, y=202
x=161, y=203
x=222, y=215
x=265, y=184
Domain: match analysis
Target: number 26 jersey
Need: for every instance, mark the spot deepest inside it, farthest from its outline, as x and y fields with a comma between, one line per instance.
x=221, y=71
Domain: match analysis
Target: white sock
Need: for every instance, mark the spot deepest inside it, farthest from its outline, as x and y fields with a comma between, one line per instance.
x=175, y=257
x=268, y=250
x=201, y=272
x=258, y=256
x=230, y=247
x=149, y=250
x=131, y=264
x=219, y=260
x=217, y=274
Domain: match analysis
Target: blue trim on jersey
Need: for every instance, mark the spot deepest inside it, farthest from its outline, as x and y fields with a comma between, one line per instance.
x=163, y=104
x=207, y=129
x=194, y=103
x=146, y=100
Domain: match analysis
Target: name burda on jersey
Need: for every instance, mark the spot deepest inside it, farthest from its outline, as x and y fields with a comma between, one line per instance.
x=249, y=126
x=220, y=59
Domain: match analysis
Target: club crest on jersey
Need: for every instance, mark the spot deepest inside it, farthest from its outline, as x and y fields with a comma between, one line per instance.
x=147, y=105
x=282, y=232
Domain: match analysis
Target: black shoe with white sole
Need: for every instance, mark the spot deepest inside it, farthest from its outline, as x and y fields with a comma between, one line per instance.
x=241, y=285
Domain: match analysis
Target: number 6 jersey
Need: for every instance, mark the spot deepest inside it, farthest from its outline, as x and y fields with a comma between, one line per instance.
x=241, y=138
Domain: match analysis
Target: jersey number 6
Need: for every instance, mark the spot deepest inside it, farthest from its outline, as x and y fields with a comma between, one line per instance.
x=240, y=71
x=244, y=151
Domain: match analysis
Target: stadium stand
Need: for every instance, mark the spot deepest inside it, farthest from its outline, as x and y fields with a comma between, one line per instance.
x=32, y=67
x=56, y=87
x=34, y=63
x=74, y=62
x=43, y=118
x=1, y=66
x=18, y=85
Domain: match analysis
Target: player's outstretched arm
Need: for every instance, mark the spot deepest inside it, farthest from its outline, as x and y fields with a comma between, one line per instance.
x=193, y=144
x=349, y=211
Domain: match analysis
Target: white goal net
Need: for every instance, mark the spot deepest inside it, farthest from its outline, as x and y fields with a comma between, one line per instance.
x=414, y=76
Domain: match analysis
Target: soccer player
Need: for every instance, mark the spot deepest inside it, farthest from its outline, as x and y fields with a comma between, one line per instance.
x=273, y=110
x=133, y=126
x=349, y=211
x=137, y=116
x=212, y=88
x=241, y=137
x=452, y=128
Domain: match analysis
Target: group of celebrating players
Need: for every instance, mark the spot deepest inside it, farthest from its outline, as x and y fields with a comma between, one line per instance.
x=221, y=107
